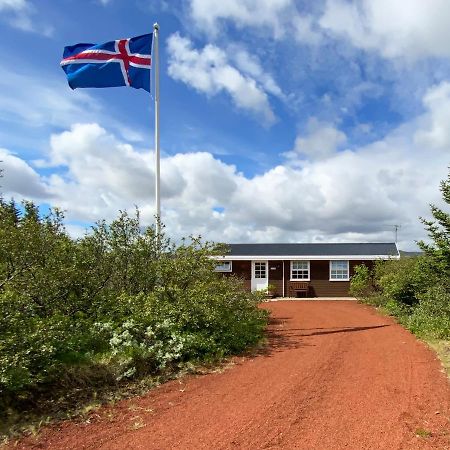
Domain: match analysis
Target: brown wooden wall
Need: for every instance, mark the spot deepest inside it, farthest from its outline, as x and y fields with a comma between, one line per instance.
x=320, y=284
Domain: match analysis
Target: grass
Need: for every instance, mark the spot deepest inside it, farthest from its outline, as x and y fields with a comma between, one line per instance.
x=421, y=432
x=442, y=348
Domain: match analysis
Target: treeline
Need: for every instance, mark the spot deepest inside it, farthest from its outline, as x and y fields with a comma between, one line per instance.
x=117, y=304
x=416, y=290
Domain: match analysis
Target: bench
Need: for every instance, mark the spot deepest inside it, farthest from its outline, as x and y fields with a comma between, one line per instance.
x=296, y=287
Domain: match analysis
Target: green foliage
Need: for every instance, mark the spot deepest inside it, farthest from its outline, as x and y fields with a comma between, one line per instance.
x=361, y=284
x=271, y=290
x=407, y=290
x=401, y=280
x=119, y=299
x=431, y=317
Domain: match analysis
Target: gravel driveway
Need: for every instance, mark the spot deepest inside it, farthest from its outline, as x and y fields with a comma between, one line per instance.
x=335, y=375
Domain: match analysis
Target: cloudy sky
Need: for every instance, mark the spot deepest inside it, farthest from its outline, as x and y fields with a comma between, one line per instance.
x=281, y=121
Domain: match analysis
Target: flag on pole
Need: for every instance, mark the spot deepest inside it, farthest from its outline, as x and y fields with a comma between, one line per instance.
x=123, y=62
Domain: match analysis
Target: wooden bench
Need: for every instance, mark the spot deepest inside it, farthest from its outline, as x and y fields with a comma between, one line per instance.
x=296, y=287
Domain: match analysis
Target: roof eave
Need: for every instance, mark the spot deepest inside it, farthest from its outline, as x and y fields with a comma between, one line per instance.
x=304, y=257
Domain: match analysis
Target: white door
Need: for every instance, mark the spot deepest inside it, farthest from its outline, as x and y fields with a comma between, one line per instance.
x=260, y=276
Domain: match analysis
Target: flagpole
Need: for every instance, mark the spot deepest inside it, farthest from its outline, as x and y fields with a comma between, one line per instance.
x=155, y=64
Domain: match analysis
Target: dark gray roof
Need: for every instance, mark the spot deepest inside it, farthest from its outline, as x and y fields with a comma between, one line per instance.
x=409, y=254
x=322, y=249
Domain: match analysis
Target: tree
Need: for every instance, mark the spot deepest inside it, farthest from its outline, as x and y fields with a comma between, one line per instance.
x=438, y=251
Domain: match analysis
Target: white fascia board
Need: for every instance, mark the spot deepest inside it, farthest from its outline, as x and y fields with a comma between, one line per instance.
x=305, y=257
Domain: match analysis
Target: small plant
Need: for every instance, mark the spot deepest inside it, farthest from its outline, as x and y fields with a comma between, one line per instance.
x=421, y=432
x=271, y=290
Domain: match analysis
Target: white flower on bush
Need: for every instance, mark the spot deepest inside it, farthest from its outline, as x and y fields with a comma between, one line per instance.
x=103, y=326
x=122, y=338
x=128, y=373
x=162, y=343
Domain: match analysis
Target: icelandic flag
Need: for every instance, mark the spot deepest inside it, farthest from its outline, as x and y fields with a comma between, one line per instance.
x=123, y=62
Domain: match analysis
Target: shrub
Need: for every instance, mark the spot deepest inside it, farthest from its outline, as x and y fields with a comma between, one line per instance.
x=432, y=315
x=361, y=284
x=401, y=280
x=118, y=300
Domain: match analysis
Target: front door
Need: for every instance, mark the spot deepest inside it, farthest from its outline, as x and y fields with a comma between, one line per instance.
x=260, y=276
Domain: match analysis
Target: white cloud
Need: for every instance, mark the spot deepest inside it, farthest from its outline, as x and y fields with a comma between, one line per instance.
x=21, y=14
x=19, y=179
x=14, y=5
x=304, y=30
x=95, y=174
x=209, y=71
x=94, y=168
x=396, y=29
x=252, y=67
x=280, y=18
x=321, y=141
x=44, y=101
x=342, y=196
x=435, y=132
x=411, y=29
x=261, y=13
x=36, y=99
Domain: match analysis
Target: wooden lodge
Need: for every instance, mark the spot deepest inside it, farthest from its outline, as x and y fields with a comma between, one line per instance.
x=308, y=270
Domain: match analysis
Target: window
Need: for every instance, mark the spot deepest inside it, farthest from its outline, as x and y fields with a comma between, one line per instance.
x=300, y=270
x=224, y=266
x=260, y=270
x=339, y=271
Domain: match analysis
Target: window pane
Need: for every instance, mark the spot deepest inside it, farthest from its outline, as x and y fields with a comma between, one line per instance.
x=299, y=270
x=299, y=265
x=260, y=270
x=339, y=270
x=224, y=266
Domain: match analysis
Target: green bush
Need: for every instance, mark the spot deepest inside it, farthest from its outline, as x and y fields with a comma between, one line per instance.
x=396, y=309
x=409, y=291
x=119, y=301
x=361, y=284
x=401, y=280
x=431, y=317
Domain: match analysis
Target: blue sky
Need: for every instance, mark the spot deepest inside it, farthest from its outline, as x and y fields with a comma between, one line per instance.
x=280, y=120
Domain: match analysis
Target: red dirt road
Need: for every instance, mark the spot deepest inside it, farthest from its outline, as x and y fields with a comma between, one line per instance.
x=335, y=375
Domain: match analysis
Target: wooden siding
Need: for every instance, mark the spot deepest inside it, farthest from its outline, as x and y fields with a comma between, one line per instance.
x=320, y=284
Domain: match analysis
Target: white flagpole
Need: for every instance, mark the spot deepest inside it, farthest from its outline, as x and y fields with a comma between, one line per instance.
x=155, y=58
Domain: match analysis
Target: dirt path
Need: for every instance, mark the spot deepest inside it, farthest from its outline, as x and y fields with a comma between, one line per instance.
x=336, y=375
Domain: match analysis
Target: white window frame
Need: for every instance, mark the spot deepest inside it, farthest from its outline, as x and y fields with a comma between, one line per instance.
x=224, y=263
x=264, y=264
x=348, y=270
x=309, y=270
